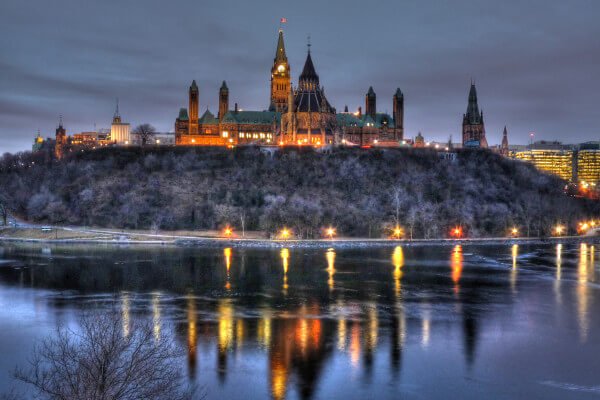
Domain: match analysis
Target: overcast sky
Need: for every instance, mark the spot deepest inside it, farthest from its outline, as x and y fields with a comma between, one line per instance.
x=536, y=63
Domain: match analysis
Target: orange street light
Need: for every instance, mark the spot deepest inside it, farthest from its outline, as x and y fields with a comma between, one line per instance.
x=330, y=232
x=514, y=232
x=227, y=232
x=397, y=232
x=457, y=232
x=285, y=233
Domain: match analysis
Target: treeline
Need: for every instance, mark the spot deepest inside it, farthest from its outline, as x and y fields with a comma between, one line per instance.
x=362, y=193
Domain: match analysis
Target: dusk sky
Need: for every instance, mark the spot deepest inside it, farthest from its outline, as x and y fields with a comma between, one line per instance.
x=536, y=63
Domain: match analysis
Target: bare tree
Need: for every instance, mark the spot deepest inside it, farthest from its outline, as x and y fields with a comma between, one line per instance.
x=104, y=361
x=146, y=132
x=3, y=213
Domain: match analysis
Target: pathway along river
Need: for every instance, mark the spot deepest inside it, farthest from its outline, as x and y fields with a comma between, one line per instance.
x=431, y=322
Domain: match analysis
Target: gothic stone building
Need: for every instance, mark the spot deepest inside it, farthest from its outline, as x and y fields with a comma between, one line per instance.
x=473, y=131
x=300, y=116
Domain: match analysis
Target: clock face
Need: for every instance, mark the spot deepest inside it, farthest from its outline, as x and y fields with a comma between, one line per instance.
x=281, y=68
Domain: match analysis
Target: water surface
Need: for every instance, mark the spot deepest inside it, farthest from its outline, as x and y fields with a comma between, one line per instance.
x=436, y=322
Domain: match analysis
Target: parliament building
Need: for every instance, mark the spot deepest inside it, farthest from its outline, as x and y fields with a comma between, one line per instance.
x=295, y=116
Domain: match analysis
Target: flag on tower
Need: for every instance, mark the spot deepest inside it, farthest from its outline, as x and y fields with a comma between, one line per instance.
x=283, y=20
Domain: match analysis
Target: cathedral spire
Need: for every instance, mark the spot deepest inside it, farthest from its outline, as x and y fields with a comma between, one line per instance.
x=473, y=114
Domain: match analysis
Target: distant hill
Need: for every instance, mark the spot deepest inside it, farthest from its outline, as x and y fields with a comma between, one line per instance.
x=362, y=193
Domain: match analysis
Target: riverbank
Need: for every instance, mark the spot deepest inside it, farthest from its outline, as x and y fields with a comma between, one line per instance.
x=80, y=235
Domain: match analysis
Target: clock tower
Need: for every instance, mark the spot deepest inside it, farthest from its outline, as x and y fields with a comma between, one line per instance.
x=280, y=78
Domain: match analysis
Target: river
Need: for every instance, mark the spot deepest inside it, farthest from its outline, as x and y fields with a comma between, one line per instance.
x=429, y=322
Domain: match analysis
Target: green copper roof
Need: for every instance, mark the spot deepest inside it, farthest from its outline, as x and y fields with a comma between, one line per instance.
x=208, y=118
x=380, y=120
x=224, y=86
x=183, y=115
x=229, y=118
x=349, y=120
x=256, y=117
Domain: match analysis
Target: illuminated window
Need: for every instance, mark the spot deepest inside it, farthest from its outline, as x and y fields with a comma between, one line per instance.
x=262, y=135
x=241, y=134
x=225, y=134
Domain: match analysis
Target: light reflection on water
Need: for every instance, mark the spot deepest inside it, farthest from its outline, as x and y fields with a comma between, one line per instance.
x=307, y=330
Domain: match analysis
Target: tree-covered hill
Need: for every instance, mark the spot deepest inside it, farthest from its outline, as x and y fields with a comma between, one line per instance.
x=359, y=192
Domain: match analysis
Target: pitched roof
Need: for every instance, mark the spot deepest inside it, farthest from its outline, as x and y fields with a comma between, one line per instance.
x=224, y=86
x=311, y=101
x=399, y=93
x=346, y=119
x=208, y=118
x=183, y=115
x=371, y=92
x=251, y=117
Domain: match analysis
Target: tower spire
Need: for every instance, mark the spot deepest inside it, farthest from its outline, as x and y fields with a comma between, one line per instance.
x=117, y=109
x=280, y=56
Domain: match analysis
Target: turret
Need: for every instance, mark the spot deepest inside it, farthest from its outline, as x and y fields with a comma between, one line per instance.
x=290, y=104
x=193, y=109
x=371, y=103
x=223, y=100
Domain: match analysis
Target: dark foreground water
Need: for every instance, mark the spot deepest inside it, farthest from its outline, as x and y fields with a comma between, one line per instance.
x=502, y=322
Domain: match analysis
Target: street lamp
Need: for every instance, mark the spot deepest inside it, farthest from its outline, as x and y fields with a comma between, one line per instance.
x=397, y=232
x=330, y=232
x=285, y=234
x=559, y=229
x=227, y=232
x=457, y=232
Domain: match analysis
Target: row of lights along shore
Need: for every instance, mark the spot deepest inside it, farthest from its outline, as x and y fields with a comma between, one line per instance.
x=398, y=233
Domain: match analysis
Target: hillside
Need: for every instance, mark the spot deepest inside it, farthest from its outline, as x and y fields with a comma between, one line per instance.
x=361, y=193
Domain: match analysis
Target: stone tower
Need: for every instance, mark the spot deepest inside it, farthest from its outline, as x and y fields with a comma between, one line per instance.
x=280, y=77
x=193, y=113
x=473, y=131
x=223, y=100
x=398, y=105
x=61, y=140
x=371, y=103
x=504, y=145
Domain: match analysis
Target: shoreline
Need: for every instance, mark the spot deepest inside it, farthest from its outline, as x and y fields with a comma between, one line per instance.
x=349, y=243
